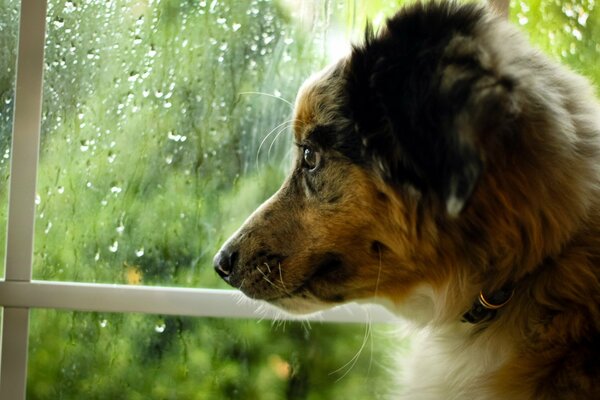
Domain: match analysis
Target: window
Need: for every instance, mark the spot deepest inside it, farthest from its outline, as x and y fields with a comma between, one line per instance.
x=161, y=126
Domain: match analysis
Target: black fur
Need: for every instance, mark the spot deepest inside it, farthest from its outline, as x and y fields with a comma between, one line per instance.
x=394, y=99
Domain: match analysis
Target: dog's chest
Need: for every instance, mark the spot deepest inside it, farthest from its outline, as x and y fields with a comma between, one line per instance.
x=445, y=365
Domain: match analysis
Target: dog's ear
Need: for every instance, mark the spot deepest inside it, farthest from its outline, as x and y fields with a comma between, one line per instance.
x=424, y=110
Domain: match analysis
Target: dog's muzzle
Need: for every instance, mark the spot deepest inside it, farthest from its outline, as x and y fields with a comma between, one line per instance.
x=225, y=262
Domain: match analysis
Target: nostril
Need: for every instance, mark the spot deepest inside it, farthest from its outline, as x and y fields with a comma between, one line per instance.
x=224, y=262
x=233, y=257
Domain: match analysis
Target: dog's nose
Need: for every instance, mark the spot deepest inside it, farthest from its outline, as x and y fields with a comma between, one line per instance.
x=224, y=262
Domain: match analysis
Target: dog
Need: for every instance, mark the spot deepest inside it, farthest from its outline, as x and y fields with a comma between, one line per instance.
x=451, y=172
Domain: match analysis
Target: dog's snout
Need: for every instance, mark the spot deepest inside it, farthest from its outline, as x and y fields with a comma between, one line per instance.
x=224, y=261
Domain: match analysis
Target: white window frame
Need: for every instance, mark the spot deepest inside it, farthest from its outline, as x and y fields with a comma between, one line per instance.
x=19, y=293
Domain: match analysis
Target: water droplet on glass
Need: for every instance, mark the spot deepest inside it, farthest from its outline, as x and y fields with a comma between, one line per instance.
x=133, y=76
x=58, y=22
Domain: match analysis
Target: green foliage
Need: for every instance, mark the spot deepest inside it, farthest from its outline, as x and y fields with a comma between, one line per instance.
x=567, y=30
x=93, y=356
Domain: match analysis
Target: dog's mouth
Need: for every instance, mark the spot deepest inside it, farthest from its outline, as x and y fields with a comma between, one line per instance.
x=294, y=292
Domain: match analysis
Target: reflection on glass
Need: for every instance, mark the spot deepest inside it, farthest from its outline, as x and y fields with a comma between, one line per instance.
x=108, y=356
x=9, y=25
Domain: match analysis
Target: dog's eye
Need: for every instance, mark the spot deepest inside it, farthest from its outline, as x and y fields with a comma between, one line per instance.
x=311, y=158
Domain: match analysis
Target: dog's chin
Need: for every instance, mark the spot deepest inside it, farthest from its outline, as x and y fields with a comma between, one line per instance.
x=301, y=304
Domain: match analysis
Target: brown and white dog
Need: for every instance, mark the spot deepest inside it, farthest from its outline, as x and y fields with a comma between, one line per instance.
x=450, y=171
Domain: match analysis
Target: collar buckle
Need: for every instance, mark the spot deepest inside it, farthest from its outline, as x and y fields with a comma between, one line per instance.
x=485, y=307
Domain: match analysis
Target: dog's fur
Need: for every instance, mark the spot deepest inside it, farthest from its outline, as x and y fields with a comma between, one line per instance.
x=443, y=157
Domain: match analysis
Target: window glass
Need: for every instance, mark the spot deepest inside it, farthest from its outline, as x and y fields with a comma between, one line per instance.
x=108, y=356
x=566, y=30
x=9, y=27
x=165, y=123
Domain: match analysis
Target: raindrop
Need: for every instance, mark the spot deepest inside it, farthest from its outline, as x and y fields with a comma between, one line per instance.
x=103, y=323
x=523, y=19
x=139, y=252
x=120, y=229
x=60, y=189
x=115, y=189
x=70, y=7
x=160, y=328
x=236, y=26
x=133, y=76
x=48, y=227
x=114, y=247
x=58, y=22
x=111, y=157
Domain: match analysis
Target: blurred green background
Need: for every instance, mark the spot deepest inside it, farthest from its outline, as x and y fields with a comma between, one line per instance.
x=165, y=123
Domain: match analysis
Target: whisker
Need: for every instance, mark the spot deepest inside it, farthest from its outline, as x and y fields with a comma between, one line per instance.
x=277, y=135
x=270, y=95
x=262, y=142
x=266, y=278
x=281, y=279
x=350, y=364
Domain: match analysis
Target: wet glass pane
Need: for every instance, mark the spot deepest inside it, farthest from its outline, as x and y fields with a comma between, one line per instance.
x=566, y=30
x=9, y=27
x=108, y=356
x=165, y=123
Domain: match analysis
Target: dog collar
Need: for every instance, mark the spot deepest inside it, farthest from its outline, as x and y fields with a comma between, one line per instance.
x=485, y=307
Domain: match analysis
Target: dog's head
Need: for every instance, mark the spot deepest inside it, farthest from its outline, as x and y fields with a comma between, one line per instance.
x=409, y=171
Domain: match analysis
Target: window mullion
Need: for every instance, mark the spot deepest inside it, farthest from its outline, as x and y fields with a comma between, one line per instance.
x=21, y=206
